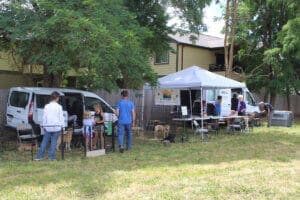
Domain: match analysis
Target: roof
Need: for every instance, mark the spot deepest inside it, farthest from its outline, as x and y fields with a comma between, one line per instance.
x=196, y=77
x=44, y=90
x=200, y=40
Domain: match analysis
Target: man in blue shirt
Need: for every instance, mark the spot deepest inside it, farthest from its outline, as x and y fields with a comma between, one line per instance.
x=218, y=106
x=125, y=110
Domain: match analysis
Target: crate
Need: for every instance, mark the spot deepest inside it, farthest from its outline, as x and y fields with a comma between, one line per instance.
x=282, y=118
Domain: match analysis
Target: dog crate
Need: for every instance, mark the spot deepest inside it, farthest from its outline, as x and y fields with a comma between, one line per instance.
x=282, y=118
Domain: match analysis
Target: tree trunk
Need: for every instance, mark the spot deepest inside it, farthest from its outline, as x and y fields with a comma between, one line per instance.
x=272, y=99
x=226, y=37
x=232, y=33
x=46, y=77
x=288, y=100
x=50, y=79
x=57, y=79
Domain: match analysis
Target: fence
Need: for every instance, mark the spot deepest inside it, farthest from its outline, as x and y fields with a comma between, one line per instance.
x=146, y=110
x=3, y=103
x=145, y=105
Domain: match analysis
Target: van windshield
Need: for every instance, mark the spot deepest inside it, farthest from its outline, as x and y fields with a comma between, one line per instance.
x=250, y=99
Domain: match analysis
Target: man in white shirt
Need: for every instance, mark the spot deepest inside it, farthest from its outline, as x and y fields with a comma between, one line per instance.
x=53, y=121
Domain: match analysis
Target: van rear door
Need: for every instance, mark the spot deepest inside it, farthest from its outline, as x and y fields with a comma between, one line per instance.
x=17, y=108
x=226, y=101
x=41, y=100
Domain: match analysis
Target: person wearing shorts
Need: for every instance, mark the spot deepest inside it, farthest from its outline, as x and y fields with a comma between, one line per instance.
x=99, y=125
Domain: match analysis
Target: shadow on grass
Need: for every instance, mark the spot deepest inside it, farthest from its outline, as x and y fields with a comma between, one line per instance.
x=94, y=176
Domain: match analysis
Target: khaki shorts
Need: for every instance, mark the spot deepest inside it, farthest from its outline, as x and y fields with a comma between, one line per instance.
x=99, y=128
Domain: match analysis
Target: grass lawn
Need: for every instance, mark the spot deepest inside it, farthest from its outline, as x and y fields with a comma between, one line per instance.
x=263, y=164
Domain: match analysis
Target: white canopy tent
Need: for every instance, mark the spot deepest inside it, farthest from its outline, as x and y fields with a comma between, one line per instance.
x=197, y=78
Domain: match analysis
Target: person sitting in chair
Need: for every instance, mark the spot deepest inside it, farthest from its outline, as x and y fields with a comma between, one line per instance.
x=218, y=106
x=241, y=108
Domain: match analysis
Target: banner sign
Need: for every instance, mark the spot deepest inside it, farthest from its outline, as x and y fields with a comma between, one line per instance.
x=167, y=97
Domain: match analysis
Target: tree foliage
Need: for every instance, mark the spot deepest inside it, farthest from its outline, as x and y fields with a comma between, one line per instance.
x=268, y=47
x=99, y=39
x=108, y=42
x=190, y=12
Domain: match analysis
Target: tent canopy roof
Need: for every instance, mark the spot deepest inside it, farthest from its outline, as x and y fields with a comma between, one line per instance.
x=195, y=77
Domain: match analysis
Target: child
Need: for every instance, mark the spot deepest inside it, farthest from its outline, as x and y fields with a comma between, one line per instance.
x=88, y=124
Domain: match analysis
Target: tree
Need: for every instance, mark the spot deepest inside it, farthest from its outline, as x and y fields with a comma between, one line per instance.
x=229, y=37
x=95, y=38
x=108, y=43
x=190, y=12
x=152, y=14
x=259, y=33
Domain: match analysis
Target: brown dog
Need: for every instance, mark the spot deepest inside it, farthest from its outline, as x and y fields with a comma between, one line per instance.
x=161, y=130
x=67, y=139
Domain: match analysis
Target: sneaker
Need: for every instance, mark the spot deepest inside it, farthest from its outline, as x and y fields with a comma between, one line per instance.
x=121, y=150
x=38, y=159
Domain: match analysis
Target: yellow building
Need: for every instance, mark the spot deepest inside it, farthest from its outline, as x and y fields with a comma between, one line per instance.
x=13, y=74
x=203, y=50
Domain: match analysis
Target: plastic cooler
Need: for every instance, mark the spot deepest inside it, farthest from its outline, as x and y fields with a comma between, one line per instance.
x=282, y=118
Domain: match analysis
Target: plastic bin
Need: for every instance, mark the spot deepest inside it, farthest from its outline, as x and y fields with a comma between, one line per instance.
x=282, y=118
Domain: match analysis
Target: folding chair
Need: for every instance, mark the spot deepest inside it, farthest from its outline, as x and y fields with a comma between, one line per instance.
x=238, y=125
x=199, y=129
x=26, y=135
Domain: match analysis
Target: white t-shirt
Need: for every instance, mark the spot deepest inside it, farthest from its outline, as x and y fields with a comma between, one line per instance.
x=88, y=125
x=53, y=119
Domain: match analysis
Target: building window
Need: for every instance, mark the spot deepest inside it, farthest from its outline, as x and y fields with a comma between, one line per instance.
x=161, y=58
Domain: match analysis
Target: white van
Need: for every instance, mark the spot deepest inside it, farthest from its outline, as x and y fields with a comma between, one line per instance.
x=26, y=104
x=227, y=94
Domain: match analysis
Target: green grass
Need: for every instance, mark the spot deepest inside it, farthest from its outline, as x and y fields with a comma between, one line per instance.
x=263, y=164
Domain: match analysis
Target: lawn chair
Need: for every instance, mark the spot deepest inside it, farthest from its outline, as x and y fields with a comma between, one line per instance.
x=238, y=125
x=26, y=135
x=198, y=129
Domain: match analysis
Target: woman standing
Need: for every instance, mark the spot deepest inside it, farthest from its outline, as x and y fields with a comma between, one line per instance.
x=99, y=125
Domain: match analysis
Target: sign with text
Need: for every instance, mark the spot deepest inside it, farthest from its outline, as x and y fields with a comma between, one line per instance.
x=167, y=97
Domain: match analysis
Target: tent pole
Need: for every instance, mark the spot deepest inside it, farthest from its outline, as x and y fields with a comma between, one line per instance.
x=202, y=114
x=191, y=105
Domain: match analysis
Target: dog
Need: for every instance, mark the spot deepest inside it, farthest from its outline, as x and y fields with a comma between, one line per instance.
x=161, y=130
x=27, y=147
x=171, y=138
x=67, y=139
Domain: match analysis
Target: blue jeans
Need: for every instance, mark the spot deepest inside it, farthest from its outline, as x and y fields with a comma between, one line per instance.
x=53, y=136
x=122, y=128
